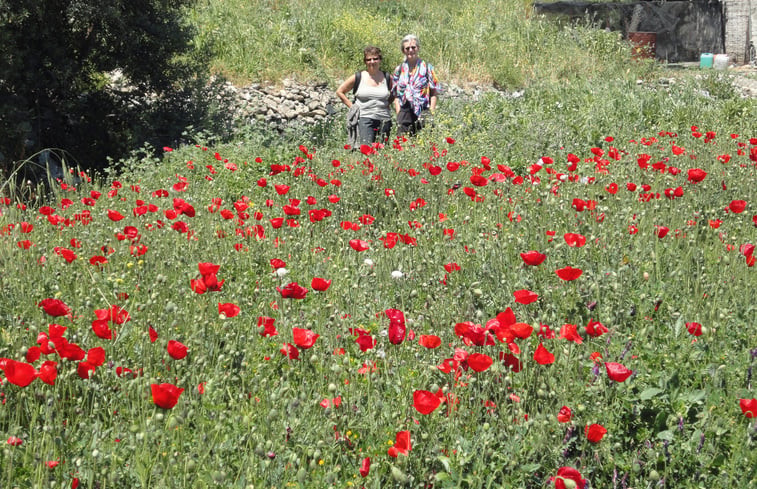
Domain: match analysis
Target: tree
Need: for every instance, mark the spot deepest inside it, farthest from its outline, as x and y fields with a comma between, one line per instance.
x=58, y=60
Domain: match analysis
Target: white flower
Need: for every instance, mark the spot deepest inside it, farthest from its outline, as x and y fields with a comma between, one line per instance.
x=397, y=274
x=368, y=262
x=281, y=271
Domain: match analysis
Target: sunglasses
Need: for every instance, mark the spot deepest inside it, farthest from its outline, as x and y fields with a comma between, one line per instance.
x=372, y=59
x=410, y=48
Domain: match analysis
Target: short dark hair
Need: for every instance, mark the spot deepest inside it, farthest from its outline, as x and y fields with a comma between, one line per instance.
x=372, y=50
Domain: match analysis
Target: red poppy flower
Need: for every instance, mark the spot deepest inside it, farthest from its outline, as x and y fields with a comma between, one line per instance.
x=98, y=260
x=568, y=478
x=479, y=362
x=153, y=334
x=102, y=330
x=96, y=356
x=595, y=432
x=397, y=326
x=737, y=206
x=165, y=395
x=114, y=216
x=595, y=329
x=510, y=361
x=471, y=333
x=228, y=309
x=533, y=258
x=478, y=180
x=293, y=291
x=401, y=445
x=525, y=296
x=574, y=240
x=429, y=341
x=208, y=268
x=18, y=373
x=304, y=338
x=543, y=356
x=748, y=407
x=661, y=231
x=565, y=415
x=569, y=273
x=281, y=189
x=33, y=354
x=366, y=219
x=176, y=350
x=320, y=284
x=359, y=245
x=69, y=351
x=696, y=175
x=452, y=267
x=747, y=249
x=54, y=307
x=14, y=441
x=365, y=467
x=694, y=328
x=48, y=372
x=521, y=330
x=617, y=372
x=365, y=342
x=290, y=351
x=425, y=402
x=84, y=370
x=570, y=333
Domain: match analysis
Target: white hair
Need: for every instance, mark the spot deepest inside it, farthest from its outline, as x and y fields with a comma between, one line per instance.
x=408, y=38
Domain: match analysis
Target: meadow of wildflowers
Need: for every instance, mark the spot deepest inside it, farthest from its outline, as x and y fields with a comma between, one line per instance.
x=422, y=314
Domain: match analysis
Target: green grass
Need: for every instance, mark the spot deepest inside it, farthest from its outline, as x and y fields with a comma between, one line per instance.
x=489, y=41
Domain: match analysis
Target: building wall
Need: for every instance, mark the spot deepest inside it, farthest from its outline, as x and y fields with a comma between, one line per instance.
x=738, y=15
x=685, y=29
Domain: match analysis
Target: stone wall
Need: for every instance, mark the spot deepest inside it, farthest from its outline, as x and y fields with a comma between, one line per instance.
x=294, y=103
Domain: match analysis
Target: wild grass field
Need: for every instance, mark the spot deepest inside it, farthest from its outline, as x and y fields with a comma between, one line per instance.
x=553, y=290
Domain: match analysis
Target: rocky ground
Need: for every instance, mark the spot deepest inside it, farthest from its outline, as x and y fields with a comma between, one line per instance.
x=745, y=80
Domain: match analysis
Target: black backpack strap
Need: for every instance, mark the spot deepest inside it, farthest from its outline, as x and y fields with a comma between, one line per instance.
x=357, y=81
x=388, y=79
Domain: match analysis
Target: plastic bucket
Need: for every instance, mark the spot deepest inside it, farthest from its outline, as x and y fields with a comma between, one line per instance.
x=720, y=62
x=643, y=44
x=705, y=60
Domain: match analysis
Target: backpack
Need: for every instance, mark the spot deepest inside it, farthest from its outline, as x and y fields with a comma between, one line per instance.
x=387, y=77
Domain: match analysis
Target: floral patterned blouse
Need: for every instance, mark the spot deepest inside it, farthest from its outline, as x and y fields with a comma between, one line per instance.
x=414, y=87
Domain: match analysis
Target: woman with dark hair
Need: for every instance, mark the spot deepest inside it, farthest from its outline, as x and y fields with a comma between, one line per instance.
x=415, y=87
x=369, y=113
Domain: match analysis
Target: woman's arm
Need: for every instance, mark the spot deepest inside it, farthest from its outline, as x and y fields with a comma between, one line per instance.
x=432, y=100
x=345, y=87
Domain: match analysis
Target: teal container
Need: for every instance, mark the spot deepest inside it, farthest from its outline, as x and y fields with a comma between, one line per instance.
x=705, y=60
